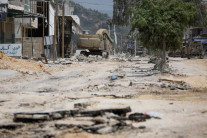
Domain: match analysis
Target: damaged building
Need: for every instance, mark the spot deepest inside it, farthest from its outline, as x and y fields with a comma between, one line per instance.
x=28, y=22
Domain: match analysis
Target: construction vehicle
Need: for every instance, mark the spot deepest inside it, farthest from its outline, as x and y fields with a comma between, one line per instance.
x=98, y=44
x=194, y=49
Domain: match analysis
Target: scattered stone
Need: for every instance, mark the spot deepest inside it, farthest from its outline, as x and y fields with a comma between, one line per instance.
x=102, y=86
x=31, y=117
x=203, y=112
x=93, y=128
x=118, y=111
x=181, y=88
x=28, y=117
x=140, y=117
x=112, y=122
x=57, y=116
x=152, y=60
x=110, y=115
x=99, y=120
x=11, y=126
x=111, y=84
x=66, y=63
x=137, y=125
x=82, y=105
x=130, y=84
x=71, y=123
x=30, y=72
x=163, y=86
x=106, y=130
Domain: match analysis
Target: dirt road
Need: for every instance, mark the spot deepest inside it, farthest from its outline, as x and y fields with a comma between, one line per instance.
x=178, y=98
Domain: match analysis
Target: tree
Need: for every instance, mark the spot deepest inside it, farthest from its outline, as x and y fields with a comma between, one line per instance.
x=160, y=23
x=120, y=12
x=200, y=18
x=121, y=16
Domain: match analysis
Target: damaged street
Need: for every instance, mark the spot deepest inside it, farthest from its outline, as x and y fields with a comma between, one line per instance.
x=95, y=97
x=103, y=69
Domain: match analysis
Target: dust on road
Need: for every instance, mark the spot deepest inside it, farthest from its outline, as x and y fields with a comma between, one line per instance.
x=60, y=88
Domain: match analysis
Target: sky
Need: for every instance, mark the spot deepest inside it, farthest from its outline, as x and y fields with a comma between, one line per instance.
x=105, y=6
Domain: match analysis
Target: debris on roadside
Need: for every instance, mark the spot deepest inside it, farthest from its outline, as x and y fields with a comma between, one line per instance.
x=153, y=60
x=82, y=105
x=102, y=86
x=103, y=121
x=100, y=121
x=89, y=59
x=6, y=124
x=172, y=84
x=21, y=65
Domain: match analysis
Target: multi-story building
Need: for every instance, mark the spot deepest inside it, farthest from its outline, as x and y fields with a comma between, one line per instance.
x=27, y=26
x=18, y=17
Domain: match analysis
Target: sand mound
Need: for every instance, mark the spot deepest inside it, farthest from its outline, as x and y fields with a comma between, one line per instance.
x=20, y=65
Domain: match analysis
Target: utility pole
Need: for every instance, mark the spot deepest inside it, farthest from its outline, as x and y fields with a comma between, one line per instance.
x=115, y=39
x=54, y=39
x=135, y=49
x=43, y=34
x=109, y=30
x=63, y=28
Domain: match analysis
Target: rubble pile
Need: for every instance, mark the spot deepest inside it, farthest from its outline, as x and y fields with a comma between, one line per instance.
x=121, y=57
x=100, y=121
x=20, y=65
x=78, y=58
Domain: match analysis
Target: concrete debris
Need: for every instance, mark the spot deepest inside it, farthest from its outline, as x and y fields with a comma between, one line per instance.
x=116, y=96
x=70, y=123
x=106, y=130
x=154, y=115
x=102, y=86
x=104, y=123
x=47, y=116
x=140, y=117
x=153, y=60
x=77, y=58
x=131, y=83
x=100, y=120
x=82, y=58
x=11, y=126
x=118, y=111
x=173, y=85
x=134, y=59
x=28, y=117
x=82, y=105
x=137, y=125
x=30, y=72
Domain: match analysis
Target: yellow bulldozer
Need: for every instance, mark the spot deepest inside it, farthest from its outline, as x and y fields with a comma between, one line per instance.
x=97, y=44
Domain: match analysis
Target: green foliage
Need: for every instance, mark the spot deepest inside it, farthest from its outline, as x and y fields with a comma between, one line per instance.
x=161, y=20
x=200, y=18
